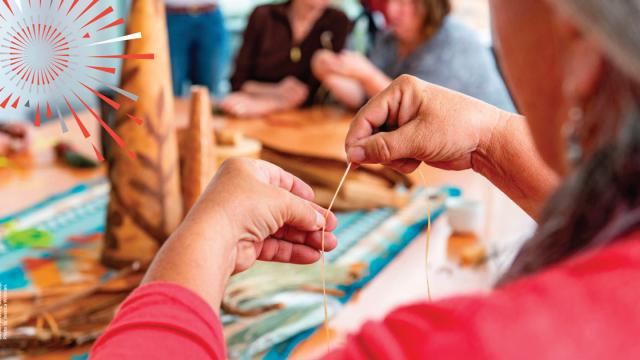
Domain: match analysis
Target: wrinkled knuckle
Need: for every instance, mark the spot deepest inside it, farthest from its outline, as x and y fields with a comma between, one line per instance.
x=383, y=149
x=311, y=212
x=404, y=79
x=288, y=200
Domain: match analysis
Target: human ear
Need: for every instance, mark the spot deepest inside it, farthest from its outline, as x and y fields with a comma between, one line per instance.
x=584, y=63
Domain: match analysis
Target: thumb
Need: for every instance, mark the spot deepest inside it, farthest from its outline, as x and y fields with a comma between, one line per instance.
x=384, y=147
x=301, y=214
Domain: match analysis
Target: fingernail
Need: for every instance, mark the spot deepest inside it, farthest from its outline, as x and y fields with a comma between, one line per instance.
x=356, y=154
x=319, y=220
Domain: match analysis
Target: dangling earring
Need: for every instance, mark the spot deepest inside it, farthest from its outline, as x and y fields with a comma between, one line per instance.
x=571, y=132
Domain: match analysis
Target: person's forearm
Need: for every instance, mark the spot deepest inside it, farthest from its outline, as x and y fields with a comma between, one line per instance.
x=509, y=159
x=257, y=88
x=187, y=257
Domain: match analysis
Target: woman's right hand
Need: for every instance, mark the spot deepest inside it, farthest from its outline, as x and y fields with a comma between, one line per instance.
x=292, y=92
x=324, y=63
x=413, y=121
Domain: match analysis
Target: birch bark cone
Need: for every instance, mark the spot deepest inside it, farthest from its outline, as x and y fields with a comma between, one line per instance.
x=145, y=203
x=197, y=148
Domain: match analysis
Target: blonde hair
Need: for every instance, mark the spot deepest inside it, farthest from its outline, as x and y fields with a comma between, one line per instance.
x=435, y=13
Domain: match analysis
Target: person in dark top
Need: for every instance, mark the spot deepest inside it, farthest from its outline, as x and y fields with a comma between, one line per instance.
x=273, y=66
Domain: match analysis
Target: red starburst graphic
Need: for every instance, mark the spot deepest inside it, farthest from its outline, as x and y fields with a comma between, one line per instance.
x=52, y=55
x=48, y=42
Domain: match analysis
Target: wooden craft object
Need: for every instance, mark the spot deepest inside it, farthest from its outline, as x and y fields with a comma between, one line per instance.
x=235, y=144
x=197, y=148
x=145, y=203
x=227, y=137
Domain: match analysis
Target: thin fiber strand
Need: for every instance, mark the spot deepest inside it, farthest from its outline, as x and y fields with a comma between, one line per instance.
x=322, y=262
x=428, y=235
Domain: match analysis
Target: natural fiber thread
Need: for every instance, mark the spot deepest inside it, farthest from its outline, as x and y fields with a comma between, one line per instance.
x=324, y=288
x=428, y=235
x=322, y=268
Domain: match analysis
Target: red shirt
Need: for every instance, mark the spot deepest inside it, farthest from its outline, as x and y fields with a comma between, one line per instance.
x=585, y=308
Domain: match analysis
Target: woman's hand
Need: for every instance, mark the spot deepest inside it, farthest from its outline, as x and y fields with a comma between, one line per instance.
x=349, y=64
x=252, y=210
x=270, y=214
x=292, y=92
x=421, y=122
x=354, y=65
x=349, y=76
x=237, y=104
x=324, y=63
x=258, y=99
x=412, y=121
x=241, y=104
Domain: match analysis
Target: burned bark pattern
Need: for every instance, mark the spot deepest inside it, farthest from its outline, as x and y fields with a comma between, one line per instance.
x=157, y=168
x=145, y=161
x=142, y=188
x=156, y=232
x=129, y=75
x=115, y=220
x=160, y=103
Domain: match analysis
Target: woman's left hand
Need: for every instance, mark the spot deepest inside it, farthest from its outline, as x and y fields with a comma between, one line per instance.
x=269, y=213
x=252, y=210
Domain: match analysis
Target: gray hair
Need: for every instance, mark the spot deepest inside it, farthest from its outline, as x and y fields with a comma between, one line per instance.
x=615, y=24
x=599, y=203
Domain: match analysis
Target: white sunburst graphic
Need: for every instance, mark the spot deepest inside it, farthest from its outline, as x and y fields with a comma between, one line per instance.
x=52, y=52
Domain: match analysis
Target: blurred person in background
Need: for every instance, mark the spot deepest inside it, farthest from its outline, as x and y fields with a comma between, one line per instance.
x=198, y=43
x=373, y=12
x=273, y=67
x=422, y=40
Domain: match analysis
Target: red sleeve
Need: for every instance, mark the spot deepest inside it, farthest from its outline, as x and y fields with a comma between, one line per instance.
x=586, y=308
x=162, y=321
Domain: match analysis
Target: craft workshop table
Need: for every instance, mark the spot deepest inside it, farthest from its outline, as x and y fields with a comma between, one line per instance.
x=34, y=178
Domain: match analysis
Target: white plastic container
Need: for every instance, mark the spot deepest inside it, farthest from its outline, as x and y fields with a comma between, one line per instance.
x=465, y=216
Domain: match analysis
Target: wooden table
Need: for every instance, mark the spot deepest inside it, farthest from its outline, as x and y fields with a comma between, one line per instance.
x=34, y=178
